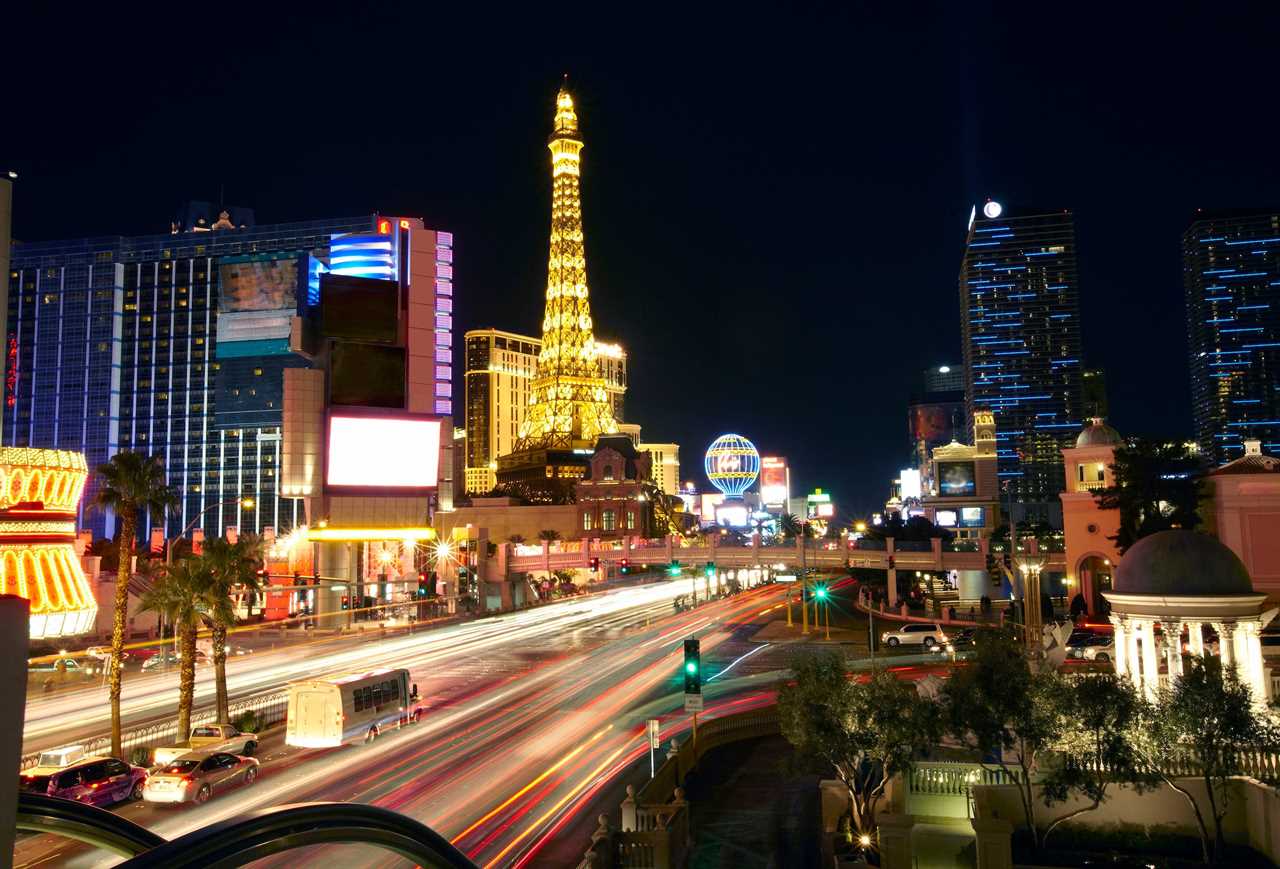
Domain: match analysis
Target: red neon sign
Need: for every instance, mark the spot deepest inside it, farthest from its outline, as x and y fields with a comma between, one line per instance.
x=384, y=227
x=11, y=372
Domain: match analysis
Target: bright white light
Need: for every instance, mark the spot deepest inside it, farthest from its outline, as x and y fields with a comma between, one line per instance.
x=944, y=369
x=383, y=452
x=992, y=210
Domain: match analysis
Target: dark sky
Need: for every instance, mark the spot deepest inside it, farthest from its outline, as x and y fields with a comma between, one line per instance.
x=775, y=200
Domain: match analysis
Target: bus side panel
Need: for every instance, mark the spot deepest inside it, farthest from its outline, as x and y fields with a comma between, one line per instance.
x=315, y=718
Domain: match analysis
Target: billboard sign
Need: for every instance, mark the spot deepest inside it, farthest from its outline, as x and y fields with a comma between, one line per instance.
x=955, y=479
x=909, y=480
x=259, y=283
x=774, y=488
x=934, y=423
x=382, y=453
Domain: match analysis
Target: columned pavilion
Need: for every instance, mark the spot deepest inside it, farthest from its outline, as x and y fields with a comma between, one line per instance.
x=1180, y=582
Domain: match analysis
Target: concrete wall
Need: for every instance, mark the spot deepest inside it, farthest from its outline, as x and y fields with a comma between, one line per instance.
x=1246, y=517
x=502, y=520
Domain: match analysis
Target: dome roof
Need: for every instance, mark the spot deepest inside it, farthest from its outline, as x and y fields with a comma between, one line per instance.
x=1098, y=434
x=1181, y=564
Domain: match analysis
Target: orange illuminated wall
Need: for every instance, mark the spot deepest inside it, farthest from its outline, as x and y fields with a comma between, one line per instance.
x=39, y=493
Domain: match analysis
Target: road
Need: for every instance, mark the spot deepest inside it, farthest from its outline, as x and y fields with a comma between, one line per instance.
x=529, y=714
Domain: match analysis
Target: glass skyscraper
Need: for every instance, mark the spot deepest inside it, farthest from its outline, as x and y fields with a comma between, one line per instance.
x=1020, y=322
x=111, y=346
x=1231, y=277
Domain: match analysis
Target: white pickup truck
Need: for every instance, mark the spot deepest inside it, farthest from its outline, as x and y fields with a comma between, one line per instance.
x=214, y=737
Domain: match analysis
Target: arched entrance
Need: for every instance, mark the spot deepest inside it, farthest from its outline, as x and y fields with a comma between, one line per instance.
x=1095, y=572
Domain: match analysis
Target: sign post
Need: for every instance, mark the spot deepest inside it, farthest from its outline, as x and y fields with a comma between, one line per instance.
x=654, y=741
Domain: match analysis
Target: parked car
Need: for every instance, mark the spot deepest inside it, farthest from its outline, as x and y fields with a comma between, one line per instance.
x=193, y=777
x=98, y=781
x=64, y=669
x=915, y=634
x=1100, y=648
x=169, y=659
x=209, y=737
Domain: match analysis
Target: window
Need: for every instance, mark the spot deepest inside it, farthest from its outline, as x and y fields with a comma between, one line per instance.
x=608, y=472
x=586, y=521
x=93, y=772
x=395, y=690
x=607, y=522
x=631, y=519
x=68, y=779
x=377, y=694
x=357, y=698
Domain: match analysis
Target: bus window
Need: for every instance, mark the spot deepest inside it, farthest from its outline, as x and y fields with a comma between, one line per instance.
x=395, y=689
x=377, y=694
x=358, y=697
x=368, y=697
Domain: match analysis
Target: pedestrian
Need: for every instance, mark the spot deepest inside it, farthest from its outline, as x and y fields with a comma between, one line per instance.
x=951, y=613
x=972, y=614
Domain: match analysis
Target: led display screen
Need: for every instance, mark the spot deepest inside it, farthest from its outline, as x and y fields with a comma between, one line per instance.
x=367, y=375
x=360, y=309
x=826, y=511
x=945, y=518
x=956, y=479
x=399, y=453
x=773, y=481
x=972, y=517
x=258, y=284
x=910, y=479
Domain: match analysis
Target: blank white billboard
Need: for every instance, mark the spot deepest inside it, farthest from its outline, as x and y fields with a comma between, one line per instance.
x=383, y=452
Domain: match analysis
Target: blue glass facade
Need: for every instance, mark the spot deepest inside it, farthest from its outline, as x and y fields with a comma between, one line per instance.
x=1020, y=322
x=1231, y=277
x=111, y=347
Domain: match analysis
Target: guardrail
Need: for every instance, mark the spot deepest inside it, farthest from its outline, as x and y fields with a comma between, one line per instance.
x=270, y=709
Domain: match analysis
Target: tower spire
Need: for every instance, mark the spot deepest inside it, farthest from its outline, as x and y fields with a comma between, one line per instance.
x=568, y=403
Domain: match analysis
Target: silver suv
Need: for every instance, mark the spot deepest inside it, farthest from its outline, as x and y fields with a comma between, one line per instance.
x=927, y=635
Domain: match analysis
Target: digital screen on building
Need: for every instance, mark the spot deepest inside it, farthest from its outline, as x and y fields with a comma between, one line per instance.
x=972, y=517
x=826, y=511
x=367, y=375
x=935, y=424
x=955, y=479
x=400, y=453
x=945, y=518
x=909, y=480
x=359, y=309
x=258, y=284
x=773, y=481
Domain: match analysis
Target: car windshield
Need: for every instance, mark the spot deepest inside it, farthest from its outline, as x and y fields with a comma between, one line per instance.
x=34, y=783
x=180, y=767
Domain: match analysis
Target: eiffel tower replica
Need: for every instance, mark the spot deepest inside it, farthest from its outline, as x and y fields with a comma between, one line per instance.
x=569, y=407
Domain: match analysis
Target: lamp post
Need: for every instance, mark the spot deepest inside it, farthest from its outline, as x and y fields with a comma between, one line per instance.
x=804, y=576
x=246, y=503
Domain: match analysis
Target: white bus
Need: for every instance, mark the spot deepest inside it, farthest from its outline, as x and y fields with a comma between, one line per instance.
x=324, y=713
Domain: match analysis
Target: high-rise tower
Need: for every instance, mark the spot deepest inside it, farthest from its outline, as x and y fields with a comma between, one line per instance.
x=1020, y=332
x=569, y=401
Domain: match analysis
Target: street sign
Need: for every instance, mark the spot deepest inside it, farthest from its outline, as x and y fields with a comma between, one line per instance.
x=693, y=703
x=654, y=740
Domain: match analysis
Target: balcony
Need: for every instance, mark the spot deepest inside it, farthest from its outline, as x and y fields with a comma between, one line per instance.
x=1090, y=485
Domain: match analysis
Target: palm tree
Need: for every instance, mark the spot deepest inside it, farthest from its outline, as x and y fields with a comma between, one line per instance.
x=789, y=525
x=182, y=595
x=516, y=539
x=549, y=534
x=128, y=484
x=230, y=565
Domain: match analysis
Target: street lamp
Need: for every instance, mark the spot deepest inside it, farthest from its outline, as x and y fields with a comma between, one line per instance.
x=246, y=503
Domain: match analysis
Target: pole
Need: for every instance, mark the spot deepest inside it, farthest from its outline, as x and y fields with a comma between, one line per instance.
x=826, y=606
x=695, y=737
x=804, y=578
x=651, y=767
x=871, y=631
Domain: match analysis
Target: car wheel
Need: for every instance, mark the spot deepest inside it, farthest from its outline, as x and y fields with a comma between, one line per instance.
x=202, y=795
x=371, y=735
x=1103, y=657
x=417, y=714
x=250, y=748
x=136, y=793
x=928, y=641
x=892, y=642
x=250, y=775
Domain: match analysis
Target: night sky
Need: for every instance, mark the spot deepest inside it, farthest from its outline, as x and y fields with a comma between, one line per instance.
x=774, y=201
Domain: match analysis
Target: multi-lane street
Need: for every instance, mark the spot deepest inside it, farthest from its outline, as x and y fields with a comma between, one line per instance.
x=529, y=714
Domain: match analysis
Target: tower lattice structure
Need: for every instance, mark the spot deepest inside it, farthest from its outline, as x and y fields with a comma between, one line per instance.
x=569, y=405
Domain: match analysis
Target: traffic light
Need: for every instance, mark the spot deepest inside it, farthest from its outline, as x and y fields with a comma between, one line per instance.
x=692, y=667
x=674, y=568
x=711, y=569
x=595, y=564
x=624, y=566
x=820, y=592
x=422, y=584
x=346, y=602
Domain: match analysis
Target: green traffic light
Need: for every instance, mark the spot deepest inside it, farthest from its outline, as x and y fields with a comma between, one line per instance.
x=822, y=593
x=690, y=667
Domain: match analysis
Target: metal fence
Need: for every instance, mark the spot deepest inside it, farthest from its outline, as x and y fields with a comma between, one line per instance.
x=269, y=709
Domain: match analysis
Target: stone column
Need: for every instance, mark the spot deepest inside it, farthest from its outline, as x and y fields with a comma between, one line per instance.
x=994, y=838
x=891, y=574
x=1151, y=653
x=1121, y=645
x=1195, y=638
x=1249, y=653
x=1172, y=648
x=1135, y=660
x=1226, y=644
x=895, y=841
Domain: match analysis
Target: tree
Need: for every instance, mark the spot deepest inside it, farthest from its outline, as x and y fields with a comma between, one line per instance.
x=1203, y=723
x=517, y=539
x=128, y=484
x=914, y=529
x=789, y=525
x=230, y=565
x=550, y=535
x=1157, y=487
x=181, y=594
x=1098, y=749
x=869, y=731
x=1000, y=705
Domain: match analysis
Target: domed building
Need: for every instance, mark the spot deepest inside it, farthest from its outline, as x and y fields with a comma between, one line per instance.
x=1091, y=554
x=1182, y=582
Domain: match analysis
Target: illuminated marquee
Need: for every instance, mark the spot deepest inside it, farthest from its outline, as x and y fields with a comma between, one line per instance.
x=39, y=493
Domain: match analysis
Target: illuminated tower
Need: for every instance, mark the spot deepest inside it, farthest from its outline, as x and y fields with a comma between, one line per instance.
x=569, y=401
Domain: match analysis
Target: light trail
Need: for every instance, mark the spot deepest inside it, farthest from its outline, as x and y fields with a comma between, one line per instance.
x=738, y=661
